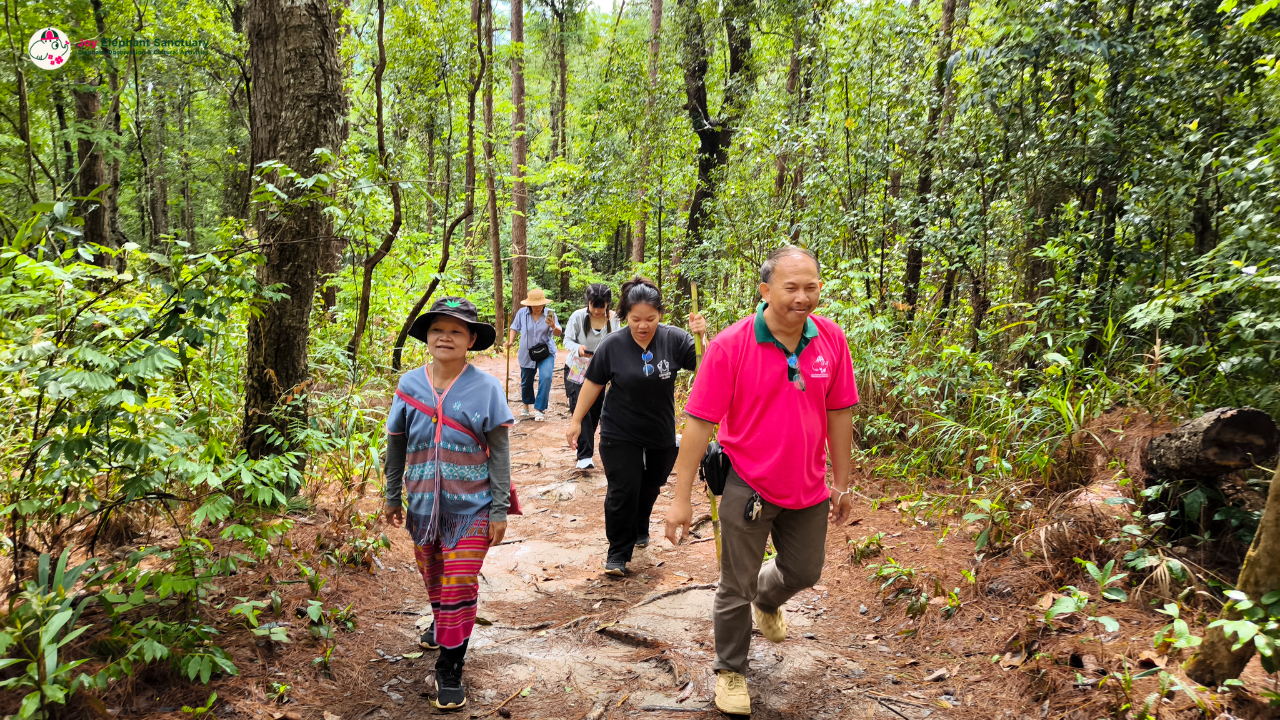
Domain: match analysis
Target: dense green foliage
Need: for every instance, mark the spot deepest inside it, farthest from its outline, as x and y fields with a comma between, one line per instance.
x=1027, y=214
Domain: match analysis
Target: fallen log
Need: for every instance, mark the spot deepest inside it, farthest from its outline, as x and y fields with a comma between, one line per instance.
x=1214, y=444
x=1218, y=660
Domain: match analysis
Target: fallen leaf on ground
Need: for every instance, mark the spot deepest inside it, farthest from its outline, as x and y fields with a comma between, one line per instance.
x=1046, y=602
x=331, y=716
x=686, y=693
x=1149, y=660
x=1013, y=659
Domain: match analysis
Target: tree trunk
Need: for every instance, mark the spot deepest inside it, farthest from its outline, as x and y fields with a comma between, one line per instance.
x=69, y=156
x=563, y=57
x=297, y=105
x=715, y=135
x=495, y=239
x=1202, y=226
x=389, y=239
x=1113, y=169
x=188, y=212
x=159, y=179
x=519, y=147
x=469, y=188
x=924, y=181
x=431, y=176
x=24, y=112
x=93, y=172
x=1216, y=663
x=642, y=215
x=1099, y=307
x=1214, y=444
x=560, y=121
x=981, y=304
x=112, y=194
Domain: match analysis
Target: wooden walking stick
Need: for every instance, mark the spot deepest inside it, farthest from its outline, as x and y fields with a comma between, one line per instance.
x=506, y=387
x=715, y=511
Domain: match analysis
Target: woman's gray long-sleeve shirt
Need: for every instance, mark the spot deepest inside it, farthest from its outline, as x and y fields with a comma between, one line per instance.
x=499, y=440
x=575, y=338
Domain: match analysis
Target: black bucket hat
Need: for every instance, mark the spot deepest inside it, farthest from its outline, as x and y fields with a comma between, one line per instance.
x=462, y=309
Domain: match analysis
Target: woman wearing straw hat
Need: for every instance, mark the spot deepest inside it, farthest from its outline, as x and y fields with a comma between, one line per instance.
x=448, y=449
x=538, y=329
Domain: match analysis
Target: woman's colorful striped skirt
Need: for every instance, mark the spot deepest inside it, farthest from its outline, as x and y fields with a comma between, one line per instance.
x=453, y=583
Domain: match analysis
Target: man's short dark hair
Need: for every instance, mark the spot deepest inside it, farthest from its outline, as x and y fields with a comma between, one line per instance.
x=771, y=262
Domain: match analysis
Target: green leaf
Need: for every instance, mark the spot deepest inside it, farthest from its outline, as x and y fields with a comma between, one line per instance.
x=1064, y=606
x=55, y=624
x=1115, y=594
x=1109, y=623
x=1256, y=12
x=30, y=704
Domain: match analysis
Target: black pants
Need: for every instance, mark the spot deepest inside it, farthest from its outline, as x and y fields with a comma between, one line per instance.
x=635, y=475
x=587, y=438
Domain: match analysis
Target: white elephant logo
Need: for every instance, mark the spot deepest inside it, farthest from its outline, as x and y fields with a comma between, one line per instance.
x=49, y=48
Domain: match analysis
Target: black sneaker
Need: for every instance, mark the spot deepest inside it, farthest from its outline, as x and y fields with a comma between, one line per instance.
x=642, y=541
x=450, y=695
x=616, y=568
x=428, y=639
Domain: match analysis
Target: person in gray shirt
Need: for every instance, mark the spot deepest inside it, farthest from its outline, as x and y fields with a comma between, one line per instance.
x=587, y=326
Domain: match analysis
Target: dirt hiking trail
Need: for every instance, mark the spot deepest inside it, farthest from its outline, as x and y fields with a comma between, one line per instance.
x=590, y=646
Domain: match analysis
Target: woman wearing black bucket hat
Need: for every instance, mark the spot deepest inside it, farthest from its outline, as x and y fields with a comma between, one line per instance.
x=448, y=450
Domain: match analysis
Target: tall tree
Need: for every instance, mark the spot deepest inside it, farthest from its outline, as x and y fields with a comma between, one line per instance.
x=563, y=13
x=159, y=176
x=297, y=106
x=715, y=134
x=649, y=139
x=112, y=195
x=468, y=185
x=924, y=180
x=92, y=168
x=388, y=240
x=519, y=152
x=495, y=240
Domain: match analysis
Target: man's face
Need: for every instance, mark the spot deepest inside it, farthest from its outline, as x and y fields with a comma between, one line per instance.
x=794, y=289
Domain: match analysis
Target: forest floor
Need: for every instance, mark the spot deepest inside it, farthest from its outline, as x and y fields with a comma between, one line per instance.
x=553, y=623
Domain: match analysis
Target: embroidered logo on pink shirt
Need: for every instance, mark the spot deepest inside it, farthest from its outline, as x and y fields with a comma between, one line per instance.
x=819, y=368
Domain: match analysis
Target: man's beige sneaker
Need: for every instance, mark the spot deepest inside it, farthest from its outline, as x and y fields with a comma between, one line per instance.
x=772, y=626
x=731, y=693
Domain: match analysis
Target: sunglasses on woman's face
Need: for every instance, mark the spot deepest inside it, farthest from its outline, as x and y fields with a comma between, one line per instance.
x=647, y=357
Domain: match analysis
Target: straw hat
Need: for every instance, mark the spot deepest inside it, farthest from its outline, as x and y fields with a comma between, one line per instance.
x=536, y=297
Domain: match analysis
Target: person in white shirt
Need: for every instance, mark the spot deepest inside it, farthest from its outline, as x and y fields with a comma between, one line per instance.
x=587, y=326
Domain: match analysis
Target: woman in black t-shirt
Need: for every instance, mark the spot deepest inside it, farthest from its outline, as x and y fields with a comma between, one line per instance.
x=638, y=424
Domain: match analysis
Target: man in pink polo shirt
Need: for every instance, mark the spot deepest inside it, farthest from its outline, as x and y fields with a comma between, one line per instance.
x=780, y=385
